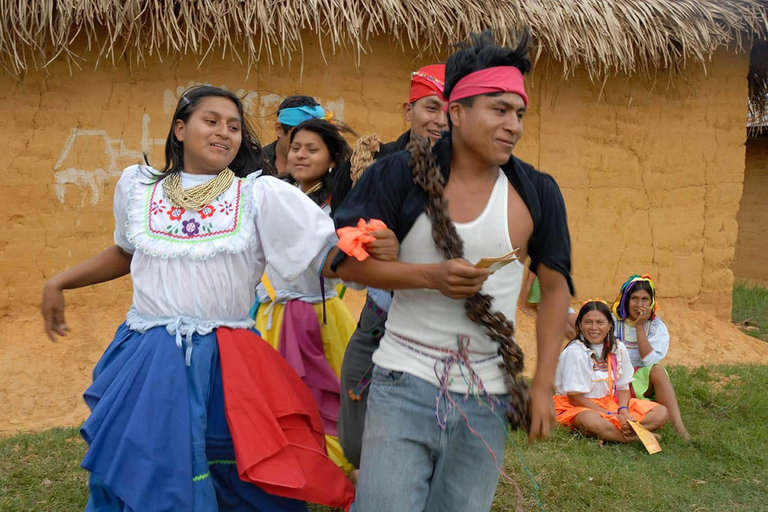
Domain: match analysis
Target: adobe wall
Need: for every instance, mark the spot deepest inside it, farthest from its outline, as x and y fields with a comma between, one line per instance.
x=652, y=175
x=751, y=257
x=651, y=170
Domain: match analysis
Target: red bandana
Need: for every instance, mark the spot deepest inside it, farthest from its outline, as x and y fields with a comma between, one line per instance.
x=427, y=81
x=490, y=80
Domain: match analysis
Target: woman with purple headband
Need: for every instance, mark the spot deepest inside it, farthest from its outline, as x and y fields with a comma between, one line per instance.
x=647, y=340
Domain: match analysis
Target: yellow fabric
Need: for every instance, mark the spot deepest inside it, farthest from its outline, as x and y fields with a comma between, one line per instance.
x=268, y=286
x=336, y=334
x=336, y=454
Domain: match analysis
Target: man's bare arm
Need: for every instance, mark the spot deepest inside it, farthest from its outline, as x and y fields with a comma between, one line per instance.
x=550, y=330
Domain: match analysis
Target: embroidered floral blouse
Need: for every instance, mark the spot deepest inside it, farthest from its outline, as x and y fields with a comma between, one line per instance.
x=204, y=264
x=658, y=337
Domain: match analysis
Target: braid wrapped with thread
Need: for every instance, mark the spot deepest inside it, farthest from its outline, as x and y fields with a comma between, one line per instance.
x=427, y=175
x=363, y=156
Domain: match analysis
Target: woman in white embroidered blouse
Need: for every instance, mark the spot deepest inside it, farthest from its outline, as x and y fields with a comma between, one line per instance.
x=592, y=382
x=196, y=237
x=635, y=306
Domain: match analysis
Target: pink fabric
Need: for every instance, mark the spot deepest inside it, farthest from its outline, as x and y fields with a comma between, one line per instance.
x=301, y=345
x=490, y=80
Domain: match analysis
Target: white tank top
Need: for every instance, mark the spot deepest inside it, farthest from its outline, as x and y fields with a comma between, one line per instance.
x=424, y=324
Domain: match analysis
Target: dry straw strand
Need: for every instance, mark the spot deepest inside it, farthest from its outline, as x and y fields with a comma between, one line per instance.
x=606, y=37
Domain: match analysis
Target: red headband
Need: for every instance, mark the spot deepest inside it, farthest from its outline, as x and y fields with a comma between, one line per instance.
x=427, y=81
x=490, y=80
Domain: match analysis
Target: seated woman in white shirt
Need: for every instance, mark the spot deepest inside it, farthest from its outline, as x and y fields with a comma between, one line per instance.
x=592, y=382
x=636, y=306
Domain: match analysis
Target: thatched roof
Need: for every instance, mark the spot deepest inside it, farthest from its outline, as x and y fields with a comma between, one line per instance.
x=604, y=36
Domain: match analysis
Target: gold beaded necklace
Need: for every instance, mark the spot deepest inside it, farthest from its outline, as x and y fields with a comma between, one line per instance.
x=312, y=189
x=194, y=198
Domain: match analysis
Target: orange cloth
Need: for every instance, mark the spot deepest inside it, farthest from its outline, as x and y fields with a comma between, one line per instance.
x=275, y=426
x=565, y=413
x=352, y=240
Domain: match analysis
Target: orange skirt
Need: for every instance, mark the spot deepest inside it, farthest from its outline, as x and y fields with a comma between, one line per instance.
x=565, y=412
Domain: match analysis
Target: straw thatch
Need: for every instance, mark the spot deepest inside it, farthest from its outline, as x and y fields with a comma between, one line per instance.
x=605, y=36
x=757, y=119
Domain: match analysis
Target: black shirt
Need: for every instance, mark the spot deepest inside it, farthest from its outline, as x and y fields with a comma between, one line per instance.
x=387, y=192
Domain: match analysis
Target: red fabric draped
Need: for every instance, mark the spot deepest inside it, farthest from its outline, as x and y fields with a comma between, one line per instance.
x=276, y=428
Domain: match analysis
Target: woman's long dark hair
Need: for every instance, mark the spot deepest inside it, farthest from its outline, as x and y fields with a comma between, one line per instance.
x=338, y=149
x=609, y=343
x=248, y=158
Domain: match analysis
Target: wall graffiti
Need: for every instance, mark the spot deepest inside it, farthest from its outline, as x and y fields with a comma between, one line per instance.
x=115, y=153
x=114, y=150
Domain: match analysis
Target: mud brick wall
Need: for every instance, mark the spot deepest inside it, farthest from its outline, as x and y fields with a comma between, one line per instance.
x=651, y=168
x=751, y=259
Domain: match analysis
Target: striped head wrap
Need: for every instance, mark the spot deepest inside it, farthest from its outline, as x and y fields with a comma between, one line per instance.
x=620, y=306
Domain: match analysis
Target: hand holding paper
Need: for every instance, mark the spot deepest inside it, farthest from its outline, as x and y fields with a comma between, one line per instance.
x=494, y=264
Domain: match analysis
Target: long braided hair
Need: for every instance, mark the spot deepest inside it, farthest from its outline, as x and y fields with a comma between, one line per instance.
x=427, y=175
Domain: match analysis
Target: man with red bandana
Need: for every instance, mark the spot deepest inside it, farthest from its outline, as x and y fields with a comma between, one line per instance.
x=436, y=425
x=425, y=110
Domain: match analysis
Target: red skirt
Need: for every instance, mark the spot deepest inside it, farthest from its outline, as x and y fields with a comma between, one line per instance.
x=276, y=428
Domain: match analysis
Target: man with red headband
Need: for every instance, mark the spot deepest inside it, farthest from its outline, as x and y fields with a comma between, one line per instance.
x=436, y=425
x=425, y=111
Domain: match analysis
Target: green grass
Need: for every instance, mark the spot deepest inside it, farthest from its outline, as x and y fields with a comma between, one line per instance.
x=723, y=468
x=751, y=303
x=41, y=472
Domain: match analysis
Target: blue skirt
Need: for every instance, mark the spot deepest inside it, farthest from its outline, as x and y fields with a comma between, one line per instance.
x=157, y=435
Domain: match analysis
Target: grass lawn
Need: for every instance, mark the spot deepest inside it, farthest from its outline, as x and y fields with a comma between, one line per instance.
x=750, y=303
x=723, y=468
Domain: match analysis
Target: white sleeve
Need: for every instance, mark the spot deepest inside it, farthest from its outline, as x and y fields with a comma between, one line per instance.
x=120, y=209
x=624, y=367
x=658, y=337
x=574, y=371
x=295, y=234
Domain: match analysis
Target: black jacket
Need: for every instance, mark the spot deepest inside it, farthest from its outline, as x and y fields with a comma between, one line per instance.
x=387, y=192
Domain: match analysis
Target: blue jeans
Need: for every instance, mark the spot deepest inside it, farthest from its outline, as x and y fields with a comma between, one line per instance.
x=410, y=464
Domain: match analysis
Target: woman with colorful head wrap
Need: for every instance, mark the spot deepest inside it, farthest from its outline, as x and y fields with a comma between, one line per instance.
x=647, y=340
x=592, y=382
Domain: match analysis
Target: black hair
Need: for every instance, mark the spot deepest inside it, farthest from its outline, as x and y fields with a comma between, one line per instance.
x=610, y=341
x=293, y=102
x=248, y=158
x=635, y=287
x=338, y=149
x=482, y=52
